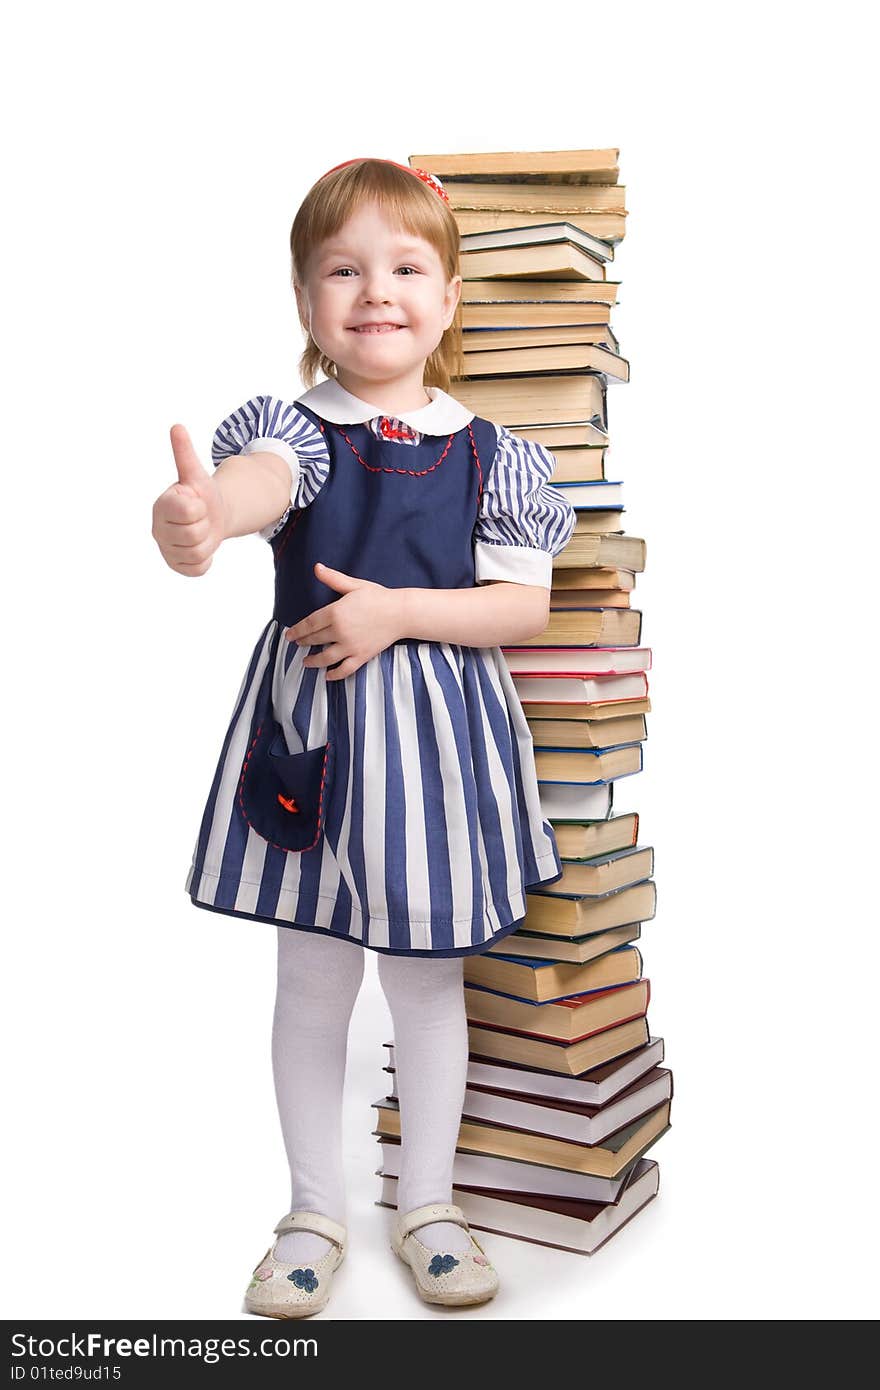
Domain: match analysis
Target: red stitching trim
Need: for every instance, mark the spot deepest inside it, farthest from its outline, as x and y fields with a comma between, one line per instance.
x=479, y=468
x=286, y=848
x=411, y=472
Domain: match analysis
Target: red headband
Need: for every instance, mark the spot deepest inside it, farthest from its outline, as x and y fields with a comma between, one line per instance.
x=430, y=179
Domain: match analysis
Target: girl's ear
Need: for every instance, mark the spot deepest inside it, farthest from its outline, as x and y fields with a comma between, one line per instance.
x=301, y=306
x=453, y=294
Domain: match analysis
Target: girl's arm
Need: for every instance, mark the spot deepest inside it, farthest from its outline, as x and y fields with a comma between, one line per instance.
x=255, y=489
x=493, y=614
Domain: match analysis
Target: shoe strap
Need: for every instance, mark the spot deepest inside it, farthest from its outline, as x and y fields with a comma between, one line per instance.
x=435, y=1211
x=313, y=1221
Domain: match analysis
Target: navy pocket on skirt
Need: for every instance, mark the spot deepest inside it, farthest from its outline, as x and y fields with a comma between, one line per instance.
x=283, y=796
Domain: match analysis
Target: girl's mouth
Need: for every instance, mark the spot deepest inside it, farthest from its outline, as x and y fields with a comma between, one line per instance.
x=378, y=328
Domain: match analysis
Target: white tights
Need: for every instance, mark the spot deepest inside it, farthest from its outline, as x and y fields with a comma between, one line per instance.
x=318, y=982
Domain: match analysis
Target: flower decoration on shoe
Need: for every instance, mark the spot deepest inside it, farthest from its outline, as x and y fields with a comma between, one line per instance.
x=260, y=1275
x=304, y=1279
x=442, y=1264
x=481, y=1260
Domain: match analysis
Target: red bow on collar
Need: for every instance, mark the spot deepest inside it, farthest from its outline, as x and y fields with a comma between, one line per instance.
x=391, y=432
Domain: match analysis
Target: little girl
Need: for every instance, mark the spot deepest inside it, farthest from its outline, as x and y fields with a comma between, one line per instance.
x=376, y=786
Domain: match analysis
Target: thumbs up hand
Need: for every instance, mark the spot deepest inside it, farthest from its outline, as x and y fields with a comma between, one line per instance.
x=188, y=517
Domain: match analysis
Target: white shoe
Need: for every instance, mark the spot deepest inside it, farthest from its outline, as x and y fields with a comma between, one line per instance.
x=279, y=1290
x=459, y=1277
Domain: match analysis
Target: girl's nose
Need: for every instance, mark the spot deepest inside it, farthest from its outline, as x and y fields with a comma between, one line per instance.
x=376, y=288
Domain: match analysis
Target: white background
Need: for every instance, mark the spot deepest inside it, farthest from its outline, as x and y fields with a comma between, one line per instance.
x=155, y=160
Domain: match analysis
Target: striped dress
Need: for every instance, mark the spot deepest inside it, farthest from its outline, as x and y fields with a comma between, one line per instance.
x=430, y=826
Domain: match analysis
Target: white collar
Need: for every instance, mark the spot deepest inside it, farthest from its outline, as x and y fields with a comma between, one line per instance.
x=332, y=402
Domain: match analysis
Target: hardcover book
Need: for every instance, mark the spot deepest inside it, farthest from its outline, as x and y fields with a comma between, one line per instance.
x=581, y=1227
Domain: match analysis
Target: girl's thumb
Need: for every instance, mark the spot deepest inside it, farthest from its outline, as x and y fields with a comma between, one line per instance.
x=189, y=467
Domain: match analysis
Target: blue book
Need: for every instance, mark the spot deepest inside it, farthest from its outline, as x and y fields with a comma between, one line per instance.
x=593, y=495
x=548, y=981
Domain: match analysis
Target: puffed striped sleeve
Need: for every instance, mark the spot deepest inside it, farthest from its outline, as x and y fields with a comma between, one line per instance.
x=523, y=520
x=267, y=423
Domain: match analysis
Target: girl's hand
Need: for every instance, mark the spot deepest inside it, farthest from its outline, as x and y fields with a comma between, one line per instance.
x=188, y=517
x=356, y=627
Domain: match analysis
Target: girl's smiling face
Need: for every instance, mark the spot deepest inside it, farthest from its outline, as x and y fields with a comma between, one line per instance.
x=377, y=302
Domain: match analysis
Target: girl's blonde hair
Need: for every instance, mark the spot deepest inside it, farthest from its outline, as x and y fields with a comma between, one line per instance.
x=409, y=203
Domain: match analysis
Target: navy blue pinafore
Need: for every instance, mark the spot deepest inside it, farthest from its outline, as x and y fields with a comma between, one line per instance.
x=404, y=527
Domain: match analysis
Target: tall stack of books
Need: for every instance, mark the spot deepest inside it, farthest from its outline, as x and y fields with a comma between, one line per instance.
x=565, y=1088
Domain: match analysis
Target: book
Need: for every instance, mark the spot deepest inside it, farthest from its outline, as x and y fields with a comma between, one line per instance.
x=560, y=397
x=573, y=949
x=577, y=839
x=516, y=1174
x=608, y=226
x=525, y=198
x=604, y=1160
x=585, y=436
x=511, y=316
x=570, y=1059
x=589, y=626
x=565, y=1020
x=546, y=357
x=584, y=598
x=576, y=799
x=603, y=874
x=543, y=981
x=574, y=464
x=586, y=766
x=560, y=259
x=574, y=661
x=601, y=495
x=570, y=914
x=540, y=297
x=587, y=733
x=584, y=711
x=601, y=492
x=528, y=166
x=591, y=802
x=608, y=550
x=539, y=234
x=563, y=1119
x=491, y=338
x=596, y=521
x=567, y=584
x=559, y=688
x=581, y=1227
x=594, y=1087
